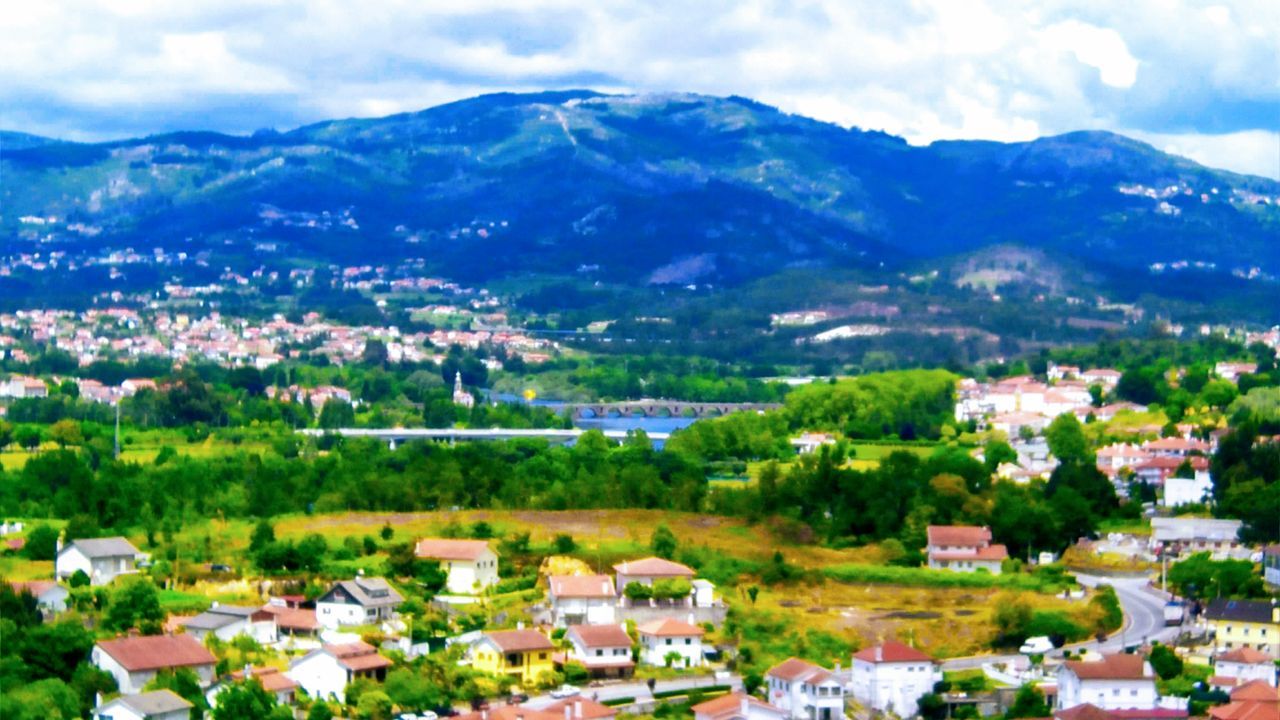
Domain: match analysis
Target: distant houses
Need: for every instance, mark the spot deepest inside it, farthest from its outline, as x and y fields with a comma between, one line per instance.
x=1116, y=682
x=521, y=654
x=134, y=661
x=891, y=677
x=582, y=599
x=1237, y=624
x=805, y=691
x=362, y=601
x=471, y=565
x=226, y=622
x=671, y=643
x=604, y=650
x=326, y=671
x=101, y=559
x=963, y=548
x=155, y=705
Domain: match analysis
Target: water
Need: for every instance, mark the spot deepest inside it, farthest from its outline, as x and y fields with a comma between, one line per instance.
x=634, y=422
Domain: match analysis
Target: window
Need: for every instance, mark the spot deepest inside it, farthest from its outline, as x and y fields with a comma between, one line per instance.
x=668, y=641
x=688, y=641
x=599, y=653
x=542, y=656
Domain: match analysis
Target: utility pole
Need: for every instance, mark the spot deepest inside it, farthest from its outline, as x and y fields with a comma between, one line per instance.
x=117, y=453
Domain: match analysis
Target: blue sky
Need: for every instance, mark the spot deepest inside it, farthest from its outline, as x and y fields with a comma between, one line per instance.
x=1201, y=79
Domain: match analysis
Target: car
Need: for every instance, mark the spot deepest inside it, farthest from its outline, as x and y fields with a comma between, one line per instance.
x=1038, y=645
x=428, y=715
x=565, y=691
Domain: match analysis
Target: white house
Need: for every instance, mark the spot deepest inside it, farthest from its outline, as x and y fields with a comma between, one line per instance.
x=471, y=565
x=604, y=650
x=660, y=638
x=228, y=621
x=1186, y=491
x=892, y=677
x=21, y=386
x=737, y=706
x=271, y=679
x=648, y=571
x=362, y=601
x=102, y=559
x=157, y=705
x=1116, y=682
x=326, y=671
x=582, y=599
x=964, y=548
x=806, y=691
x=1175, y=535
x=1271, y=565
x=50, y=596
x=134, y=661
x=1242, y=665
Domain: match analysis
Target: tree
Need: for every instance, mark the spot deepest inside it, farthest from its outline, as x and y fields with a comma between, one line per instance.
x=1066, y=439
x=28, y=436
x=336, y=414
x=263, y=534
x=66, y=432
x=79, y=579
x=374, y=705
x=663, y=543
x=55, y=649
x=6, y=434
x=245, y=700
x=42, y=543
x=1165, y=662
x=184, y=683
x=320, y=711
x=564, y=544
x=135, y=602
x=1028, y=703
x=375, y=353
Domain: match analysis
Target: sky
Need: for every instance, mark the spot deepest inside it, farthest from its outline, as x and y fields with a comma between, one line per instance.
x=1200, y=79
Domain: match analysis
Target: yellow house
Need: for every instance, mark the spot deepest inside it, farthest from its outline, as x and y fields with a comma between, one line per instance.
x=522, y=654
x=1253, y=624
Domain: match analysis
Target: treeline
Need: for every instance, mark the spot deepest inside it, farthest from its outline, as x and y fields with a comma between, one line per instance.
x=655, y=376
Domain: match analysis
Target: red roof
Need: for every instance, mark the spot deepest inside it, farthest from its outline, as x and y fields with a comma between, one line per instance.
x=1111, y=667
x=891, y=651
x=442, y=549
x=601, y=636
x=154, y=652
x=728, y=706
x=793, y=669
x=357, y=656
x=582, y=586
x=294, y=619
x=1256, y=691
x=580, y=707
x=1245, y=655
x=670, y=627
x=519, y=640
x=990, y=552
x=964, y=535
x=653, y=567
x=1084, y=711
x=271, y=679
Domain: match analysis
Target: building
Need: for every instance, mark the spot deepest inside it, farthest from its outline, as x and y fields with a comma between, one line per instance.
x=1245, y=624
x=134, y=661
x=471, y=565
x=1271, y=565
x=271, y=679
x=1175, y=535
x=671, y=643
x=1116, y=682
x=1233, y=370
x=810, y=442
x=362, y=601
x=805, y=691
x=892, y=677
x=326, y=671
x=1253, y=701
x=50, y=597
x=157, y=705
x=604, y=650
x=228, y=621
x=582, y=599
x=522, y=654
x=648, y=571
x=1188, y=491
x=580, y=708
x=1242, y=666
x=964, y=548
x=737, y=706
x=461, y=396
x=102, y=559
x=293, y=621
x=21, y=386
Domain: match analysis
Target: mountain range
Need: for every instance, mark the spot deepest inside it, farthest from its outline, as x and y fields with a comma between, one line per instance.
x=655, y=189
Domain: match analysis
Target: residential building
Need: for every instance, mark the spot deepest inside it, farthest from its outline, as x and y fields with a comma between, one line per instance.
x=1173, y=536
x=157, y=705
x=362, y=601
x=891, y=677
x=326, y=671
x=102, y=559
x=806, y=691
x=228, y=621
x=964, y=548
x=471, y=565
x=271, y=679
x=671, y=642
x=1242, y=666
x=604, y=650
x=648, y=571
x=1187, y=491
x=461, y=396
x=1233, y=370
x=134, y=661
x=809, y=442
x=1271, y=565
x=523, y=654
x=1252, y=701
x=1116, y=682
x=50, y=597
x=1106, y=377
x=21, y=386
x=582, y=599
x=1245, y=624
x=293, y=621
x=737, y=706
x=580, y=708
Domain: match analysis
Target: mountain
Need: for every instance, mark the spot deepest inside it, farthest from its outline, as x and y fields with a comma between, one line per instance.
x=666, y=189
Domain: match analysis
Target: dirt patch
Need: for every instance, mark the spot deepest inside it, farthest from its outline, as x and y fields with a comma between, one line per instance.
x=913, y=615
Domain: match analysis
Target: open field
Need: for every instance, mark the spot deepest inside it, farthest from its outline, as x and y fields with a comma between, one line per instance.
x=143, y=447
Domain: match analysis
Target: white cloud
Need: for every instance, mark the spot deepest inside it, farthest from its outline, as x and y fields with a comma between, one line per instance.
x=1100, y=48
x=1255, y=152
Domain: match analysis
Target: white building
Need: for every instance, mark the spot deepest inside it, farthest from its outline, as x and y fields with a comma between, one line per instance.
x=1271, y=565
x=1116, y=682
x=806, y=691
x=21, y=386
x=471, y=565
x=964, y=548
x=582, y=599
x=1186, y=491
x=892, y=677
x=1240, y=666
x=50, y=596
x=648, y=571
x=326, y=671
x=229, y=621
x=157, y=705
x=271, y=679
x=604, y=650
x=737, y=706
x=134, y=661
x=671, y=642
x=362, y=601
x=102, y=559
x=1175, y=535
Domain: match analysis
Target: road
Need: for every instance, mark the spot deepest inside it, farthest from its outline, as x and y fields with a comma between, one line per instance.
x=1143, y=621
x=639, y=690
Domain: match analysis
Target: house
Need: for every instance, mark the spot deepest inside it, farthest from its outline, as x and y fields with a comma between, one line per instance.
x=805, y=691
x=522, y=654
x=1253, y=701
x=892, y=677
x=1177, y=447
x=102, y=559
x=134, y=661
x=361, y=601
x=293, y=621
x=580, y=708
x=1056, y=372
x=271, y=679
x=671, y=643
x=1271, y=565
x=1087, y=711
x=737, y=706
x=1174, y=535
x=1233, y=370
x=326, y=671
x=50, y=597
x=808, y=443
x=1116, y=682
x=604, y=650
x=157, y=705
x=461, y=396
x=963, y=548
x=1106, y=377
x=1245, y=624
x=1154, y=471
x=648, y=571
x=1241, y=666
x=1186, y=491
x=471, y=565
x=21, y=386
x=582, y=599
x=228, y=621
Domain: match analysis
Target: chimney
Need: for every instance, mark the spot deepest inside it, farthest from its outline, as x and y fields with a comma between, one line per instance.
x=97, y=700
x=248, y=671
x=880, y=653
x=568, y=712
x=577, y=708
x=520, y=625
x=746, y=706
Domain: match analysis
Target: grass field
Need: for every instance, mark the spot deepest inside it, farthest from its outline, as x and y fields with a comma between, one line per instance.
x=143, y=447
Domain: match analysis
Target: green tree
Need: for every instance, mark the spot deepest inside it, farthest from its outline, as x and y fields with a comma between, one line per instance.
x=66, y=432
x=1165, y=662
x=263, y=534
x=1028, y=703
x=320, y=711
x=42, y=543
x=135, y=602
x=1066, y=439
x=374, y=705
x=663, y=543
x=336, y=414
x=246, y=700
x=184, y=683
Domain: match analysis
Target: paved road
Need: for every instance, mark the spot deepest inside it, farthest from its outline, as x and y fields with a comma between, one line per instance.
x=639, y=690
x=1143, y=621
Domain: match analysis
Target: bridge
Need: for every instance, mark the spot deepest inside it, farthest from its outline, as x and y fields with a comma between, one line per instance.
x=395, y=436
x=662, y=408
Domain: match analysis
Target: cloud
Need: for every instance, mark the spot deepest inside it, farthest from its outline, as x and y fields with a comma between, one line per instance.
x=1197, y=77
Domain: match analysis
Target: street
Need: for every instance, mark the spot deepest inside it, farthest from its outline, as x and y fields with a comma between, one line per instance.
x=639, y=690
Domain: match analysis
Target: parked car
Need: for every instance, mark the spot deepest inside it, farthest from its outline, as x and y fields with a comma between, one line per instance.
x=565, y=691
x=1038, y=645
